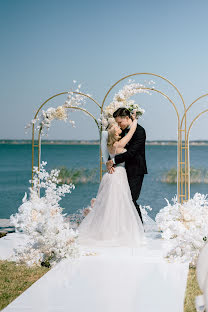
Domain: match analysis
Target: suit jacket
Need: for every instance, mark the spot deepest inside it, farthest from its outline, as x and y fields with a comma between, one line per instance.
x=134, y=157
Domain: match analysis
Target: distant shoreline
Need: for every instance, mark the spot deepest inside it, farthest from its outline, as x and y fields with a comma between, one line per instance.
x=95, y=142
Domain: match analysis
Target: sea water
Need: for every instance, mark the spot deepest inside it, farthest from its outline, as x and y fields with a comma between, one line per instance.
x=15, y=173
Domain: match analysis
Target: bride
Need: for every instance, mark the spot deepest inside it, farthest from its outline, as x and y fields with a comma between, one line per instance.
x=114, y=220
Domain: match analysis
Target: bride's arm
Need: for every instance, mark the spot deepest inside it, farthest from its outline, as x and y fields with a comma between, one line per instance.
x=128, y=136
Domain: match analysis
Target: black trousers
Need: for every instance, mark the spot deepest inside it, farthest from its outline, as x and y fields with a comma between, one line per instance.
x=135, y=184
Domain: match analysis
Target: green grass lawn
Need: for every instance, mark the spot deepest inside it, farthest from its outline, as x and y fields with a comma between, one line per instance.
x=14, y=279
x=192, y=290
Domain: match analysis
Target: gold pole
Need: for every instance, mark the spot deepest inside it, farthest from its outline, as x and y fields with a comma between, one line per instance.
x=33, y=128
x=40, y=130
x=200, y=97
x=185, y=154
x=188, y=133
x=39, y=156
x=179, y=168
x=39, y=147
x=178, y=163
x=187, y=166
x=179, y=175
x=181, y=178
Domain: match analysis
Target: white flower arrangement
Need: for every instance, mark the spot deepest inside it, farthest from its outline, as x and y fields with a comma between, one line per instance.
x=44, y=120
x=40, y=218
x=121, y=99
x=186, y=225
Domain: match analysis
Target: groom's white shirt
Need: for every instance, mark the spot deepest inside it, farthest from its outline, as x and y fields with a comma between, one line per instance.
x=104, y=148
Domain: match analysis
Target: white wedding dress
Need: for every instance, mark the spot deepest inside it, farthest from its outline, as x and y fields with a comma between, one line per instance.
x=114, y=220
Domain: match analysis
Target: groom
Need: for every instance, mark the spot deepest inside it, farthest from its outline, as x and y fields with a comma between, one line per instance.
x=134, y=157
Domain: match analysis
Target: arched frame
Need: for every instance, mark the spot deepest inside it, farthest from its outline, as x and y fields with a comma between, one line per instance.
x=183, y=171
x=40, y=130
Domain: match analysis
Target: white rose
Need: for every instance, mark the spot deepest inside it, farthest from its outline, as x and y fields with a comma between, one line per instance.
x=104, y=122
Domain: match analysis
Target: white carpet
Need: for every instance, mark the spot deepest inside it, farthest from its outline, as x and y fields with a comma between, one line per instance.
x=115, y=279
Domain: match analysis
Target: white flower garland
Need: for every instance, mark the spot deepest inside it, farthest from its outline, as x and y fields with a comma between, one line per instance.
x=50, y=237
x=121, y=99
x=186, y=225
x=45, y=118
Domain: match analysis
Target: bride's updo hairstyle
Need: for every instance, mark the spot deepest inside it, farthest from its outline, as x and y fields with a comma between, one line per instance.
x=112, y=138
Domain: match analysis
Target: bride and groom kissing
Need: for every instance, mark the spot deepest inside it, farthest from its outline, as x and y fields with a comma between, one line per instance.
x=116, y=219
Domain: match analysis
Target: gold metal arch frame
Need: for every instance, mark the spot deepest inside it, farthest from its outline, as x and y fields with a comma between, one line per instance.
x=182, y=152
x=40, y=130
x=188, y=133
x=183, y=171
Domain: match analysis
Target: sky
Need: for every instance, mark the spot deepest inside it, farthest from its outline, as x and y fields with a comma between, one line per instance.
x=47, y=44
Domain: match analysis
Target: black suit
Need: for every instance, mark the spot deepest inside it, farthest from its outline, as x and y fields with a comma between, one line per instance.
x=135, y=163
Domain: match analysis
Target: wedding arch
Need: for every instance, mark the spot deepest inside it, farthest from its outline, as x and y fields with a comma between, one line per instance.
x=189, y=130
x=40, y=129
x=183, y=163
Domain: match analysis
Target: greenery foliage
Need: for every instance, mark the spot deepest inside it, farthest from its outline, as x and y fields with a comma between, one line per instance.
x=192, y=290
x=197, y=175
x=15, y=279
x=2, y=234
x=77, y=175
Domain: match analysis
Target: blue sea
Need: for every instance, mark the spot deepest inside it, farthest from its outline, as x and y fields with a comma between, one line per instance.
x=15, y=173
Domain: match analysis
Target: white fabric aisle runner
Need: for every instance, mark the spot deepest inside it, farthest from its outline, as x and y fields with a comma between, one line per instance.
x=115, y=279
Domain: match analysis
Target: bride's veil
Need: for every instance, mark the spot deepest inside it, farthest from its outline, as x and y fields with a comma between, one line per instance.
x=104, y=149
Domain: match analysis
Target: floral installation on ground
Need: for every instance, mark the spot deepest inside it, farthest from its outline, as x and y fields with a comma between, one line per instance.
x=40, y=217
x=43, y=121
x=186, y=226
x=122, y=99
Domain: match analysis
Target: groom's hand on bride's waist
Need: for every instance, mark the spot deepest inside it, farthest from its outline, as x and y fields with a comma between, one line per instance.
x=109, y=166
x=111, y=170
